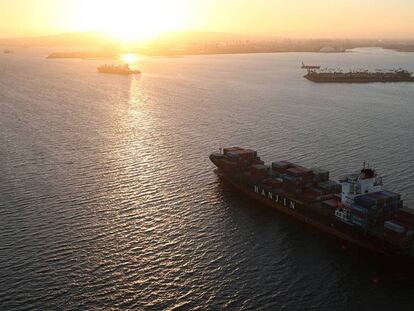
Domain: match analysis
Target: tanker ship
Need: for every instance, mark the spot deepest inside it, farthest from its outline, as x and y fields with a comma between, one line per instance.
x=356, y=209
x=365, y=76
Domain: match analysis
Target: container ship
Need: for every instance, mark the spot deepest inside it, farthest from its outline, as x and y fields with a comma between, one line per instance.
x=120, y=70
x=327, y=76
x=355, y=209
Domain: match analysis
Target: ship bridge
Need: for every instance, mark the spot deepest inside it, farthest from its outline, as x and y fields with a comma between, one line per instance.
x=353, y=185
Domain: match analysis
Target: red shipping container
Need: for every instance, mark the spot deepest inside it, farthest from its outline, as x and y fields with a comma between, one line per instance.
x=405, y=215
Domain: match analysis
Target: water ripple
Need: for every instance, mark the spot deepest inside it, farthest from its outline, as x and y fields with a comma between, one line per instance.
x=108, y=199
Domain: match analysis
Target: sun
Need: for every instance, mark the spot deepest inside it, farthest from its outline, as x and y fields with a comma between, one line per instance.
x=131, y=20
x=129, y=58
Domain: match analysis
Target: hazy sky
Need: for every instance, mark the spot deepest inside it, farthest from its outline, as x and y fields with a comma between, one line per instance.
x=142, y=18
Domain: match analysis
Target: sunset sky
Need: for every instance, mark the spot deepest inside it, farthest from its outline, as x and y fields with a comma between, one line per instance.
x=142, y=19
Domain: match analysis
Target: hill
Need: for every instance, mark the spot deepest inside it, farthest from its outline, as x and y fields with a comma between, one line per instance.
x=77, y=39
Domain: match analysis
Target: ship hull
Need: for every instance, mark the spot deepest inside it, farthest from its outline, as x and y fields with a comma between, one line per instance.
x=366, y=244
x=119, y=73
x=353, y=80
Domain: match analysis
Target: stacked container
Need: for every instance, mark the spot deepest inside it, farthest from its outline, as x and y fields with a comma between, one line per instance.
x=397, y=232
x=328, y=186
x=359, y=221
x=320, y=175
x=394, y=231
x=280, y=167
x=231, y=149
x=405, y=215
x=375, y=208
x=382, y=201
x=295, y=178
x=328, y=207
x=259, y=171
x=236, y=157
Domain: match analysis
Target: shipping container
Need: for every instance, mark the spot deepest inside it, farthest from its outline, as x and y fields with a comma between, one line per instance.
x=365, y=201
x=301, y=172
x=405, y=215
x=320, y=174
x=391, y=225
x=381, y=200
x=393, y=237
x=332, y=203
x=292, y=179
x=359, y=221
x=273, y=182
x=248, y=154
x=361, y=209
x=292, y=187
x=281, y=166
x=317, y=191
x=227, y=150
x=259, y=171
x=329, y=186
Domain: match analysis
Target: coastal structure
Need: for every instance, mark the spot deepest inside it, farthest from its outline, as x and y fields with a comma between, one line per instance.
x=332, y=49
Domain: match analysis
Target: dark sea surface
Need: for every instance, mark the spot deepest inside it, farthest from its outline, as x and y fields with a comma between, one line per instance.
x=108, y=200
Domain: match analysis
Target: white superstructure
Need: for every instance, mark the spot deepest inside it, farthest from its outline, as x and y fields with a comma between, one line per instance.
x=355, y=185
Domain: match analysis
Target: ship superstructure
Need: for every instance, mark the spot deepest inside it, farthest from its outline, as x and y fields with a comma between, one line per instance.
x=356, y=185
x=356, y=209
x=310, y=66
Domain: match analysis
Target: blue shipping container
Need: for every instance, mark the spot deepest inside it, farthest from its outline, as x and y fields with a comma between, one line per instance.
x=360, y=209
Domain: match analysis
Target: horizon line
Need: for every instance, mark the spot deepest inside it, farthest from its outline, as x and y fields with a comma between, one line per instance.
x=257, y=36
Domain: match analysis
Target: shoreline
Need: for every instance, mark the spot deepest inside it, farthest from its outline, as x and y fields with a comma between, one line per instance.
x=91, y=55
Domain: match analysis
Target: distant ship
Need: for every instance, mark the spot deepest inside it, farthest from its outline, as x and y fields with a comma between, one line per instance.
x=120, y=70
x=364, y=76
x=356, y=210
x=8, y=51
x=309, y=66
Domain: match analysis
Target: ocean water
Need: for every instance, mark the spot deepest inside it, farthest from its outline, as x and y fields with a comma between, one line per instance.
x=108, y=200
